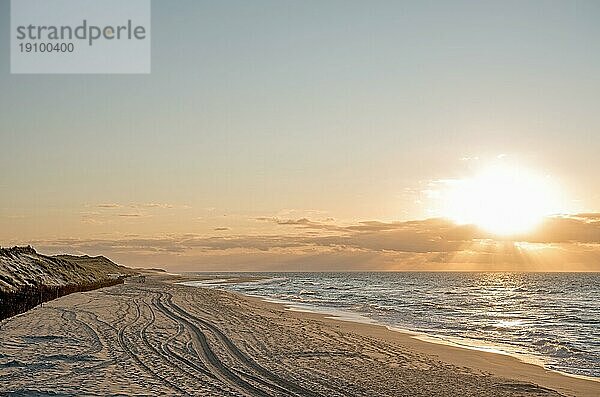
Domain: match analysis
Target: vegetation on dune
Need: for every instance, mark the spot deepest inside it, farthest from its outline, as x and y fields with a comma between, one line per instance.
x=28, y=279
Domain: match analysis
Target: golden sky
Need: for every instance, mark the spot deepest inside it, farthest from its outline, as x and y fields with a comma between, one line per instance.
x=337, y=136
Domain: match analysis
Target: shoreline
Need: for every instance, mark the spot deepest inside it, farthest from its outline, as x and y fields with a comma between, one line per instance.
x=331, y=314
x=501, y=364
x=349, y=316
x=422, y=336
x=161, y=338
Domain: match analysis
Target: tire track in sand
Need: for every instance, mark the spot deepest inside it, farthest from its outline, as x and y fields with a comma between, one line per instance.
x=131, y=352
x=211, y=360
x=266, y=377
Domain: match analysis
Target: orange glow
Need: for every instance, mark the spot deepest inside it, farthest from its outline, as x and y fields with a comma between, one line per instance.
x=502, y=200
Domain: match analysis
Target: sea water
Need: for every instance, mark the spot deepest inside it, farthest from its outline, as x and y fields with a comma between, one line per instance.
x=551, y=318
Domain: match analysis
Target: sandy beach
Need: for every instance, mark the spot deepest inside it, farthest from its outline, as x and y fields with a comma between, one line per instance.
x=161, y=338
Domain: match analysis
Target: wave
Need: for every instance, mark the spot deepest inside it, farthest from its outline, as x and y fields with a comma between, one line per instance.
x=550, y=317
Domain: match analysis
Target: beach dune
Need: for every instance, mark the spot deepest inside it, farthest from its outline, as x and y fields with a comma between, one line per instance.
x=160, y=338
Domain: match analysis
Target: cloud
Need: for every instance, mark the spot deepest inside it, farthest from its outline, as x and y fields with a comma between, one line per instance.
x=593, y=216
x=562, y=243
x=302, y=222
x=581, y=228
x=151, y=205
x=266, y=219
x=107, y=211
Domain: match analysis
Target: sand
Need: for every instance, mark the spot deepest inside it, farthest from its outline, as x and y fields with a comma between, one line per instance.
x=159, y=338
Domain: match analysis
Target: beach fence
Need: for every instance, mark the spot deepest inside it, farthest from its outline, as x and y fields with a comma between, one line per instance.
x=27, y=297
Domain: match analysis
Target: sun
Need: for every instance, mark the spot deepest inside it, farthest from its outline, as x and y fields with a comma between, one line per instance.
x=503, y=200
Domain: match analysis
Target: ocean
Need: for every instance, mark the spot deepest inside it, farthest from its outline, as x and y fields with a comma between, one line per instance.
x=552, y=319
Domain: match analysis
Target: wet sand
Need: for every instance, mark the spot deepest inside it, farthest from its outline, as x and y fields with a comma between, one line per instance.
x=159, y=338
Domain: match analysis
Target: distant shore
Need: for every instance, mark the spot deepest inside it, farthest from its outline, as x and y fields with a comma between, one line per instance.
x=160, y=338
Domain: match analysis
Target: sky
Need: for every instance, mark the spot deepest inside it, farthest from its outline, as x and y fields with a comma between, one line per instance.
x=270, y=134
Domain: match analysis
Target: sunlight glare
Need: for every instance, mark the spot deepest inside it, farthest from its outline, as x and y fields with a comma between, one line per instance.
x=502, y=200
